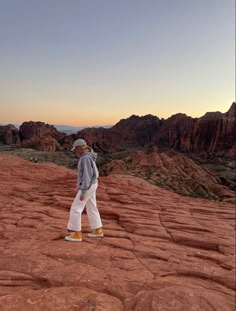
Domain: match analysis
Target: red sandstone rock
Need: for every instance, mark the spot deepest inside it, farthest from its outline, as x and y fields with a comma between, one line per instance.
x=40, y=136
x=43, y=143
x=9, y=135
x=214, y=133
x=31, y=129
x=231, y=153
x=101, y=139
x=172, y=171
x=161, y=251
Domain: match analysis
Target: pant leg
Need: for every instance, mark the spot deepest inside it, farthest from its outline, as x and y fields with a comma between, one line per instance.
x=92, y=211
x=76, y=210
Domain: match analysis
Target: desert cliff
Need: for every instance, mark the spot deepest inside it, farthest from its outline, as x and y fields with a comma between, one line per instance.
x=212, y=133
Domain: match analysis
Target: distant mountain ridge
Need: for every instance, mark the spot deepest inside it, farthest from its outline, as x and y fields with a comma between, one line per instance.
x=63, y=128
x=74, y=129
x=212, y=133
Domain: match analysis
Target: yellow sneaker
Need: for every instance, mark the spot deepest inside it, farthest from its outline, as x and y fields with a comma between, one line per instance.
x=74, y=237
x=97, y=233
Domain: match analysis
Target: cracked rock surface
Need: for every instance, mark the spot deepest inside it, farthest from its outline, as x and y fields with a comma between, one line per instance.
x=161, y=251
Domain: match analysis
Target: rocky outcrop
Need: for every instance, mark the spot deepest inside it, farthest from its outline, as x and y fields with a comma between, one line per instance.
x=36, y=135
x=175, y=133
x=212, y=133
x=215, y=132
x=31, y=129
x=40, y=136
x=100, y=139
x=172, y=171
x=138, y=131
x=127, y=133
x=9, y=134
x=231, y=153
x=44, y=143
x=161, y=251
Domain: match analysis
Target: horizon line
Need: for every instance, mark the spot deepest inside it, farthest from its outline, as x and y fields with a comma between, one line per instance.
x=109, y=125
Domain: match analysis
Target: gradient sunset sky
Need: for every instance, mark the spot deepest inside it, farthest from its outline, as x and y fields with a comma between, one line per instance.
x=94, y=62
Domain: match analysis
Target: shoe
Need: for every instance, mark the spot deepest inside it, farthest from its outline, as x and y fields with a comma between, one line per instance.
x=97, y=233
x=74, y=237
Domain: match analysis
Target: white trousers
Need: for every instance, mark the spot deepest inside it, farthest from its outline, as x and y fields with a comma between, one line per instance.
x=78, y=206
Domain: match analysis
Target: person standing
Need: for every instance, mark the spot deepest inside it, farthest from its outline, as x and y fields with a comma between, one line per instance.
x=87, y=183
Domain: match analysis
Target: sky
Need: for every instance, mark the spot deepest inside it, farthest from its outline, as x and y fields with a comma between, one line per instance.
x=94, y=62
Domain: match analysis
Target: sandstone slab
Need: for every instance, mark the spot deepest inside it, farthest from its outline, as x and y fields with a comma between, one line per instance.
x=161, y=251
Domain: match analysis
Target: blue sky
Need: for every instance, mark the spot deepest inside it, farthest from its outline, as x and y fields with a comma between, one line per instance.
x=93, y=62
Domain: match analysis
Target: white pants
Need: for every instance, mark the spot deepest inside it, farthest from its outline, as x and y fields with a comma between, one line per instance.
x=78, y=206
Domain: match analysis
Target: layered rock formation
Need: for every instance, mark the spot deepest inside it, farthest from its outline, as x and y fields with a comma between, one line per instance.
x=36, y=135
x=127, y=133
x=100, y=139
x=212, y=133
x=161, y=251
x=9, y=135
x=172, y=171
x=40, y=136
x=39, y=129
x=45, y=143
